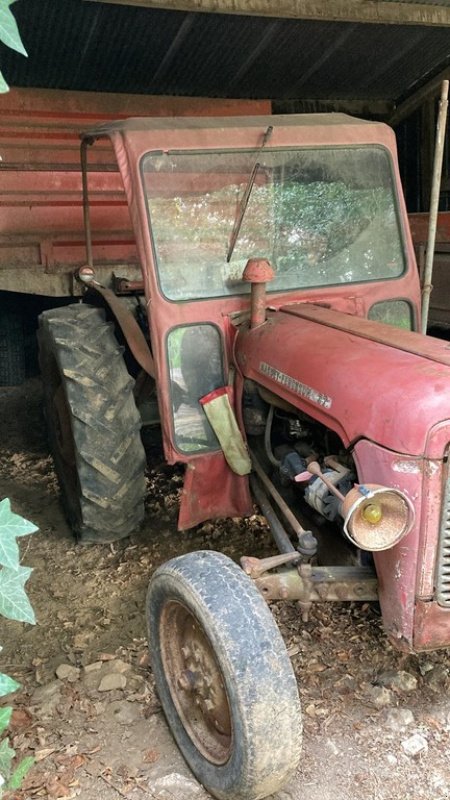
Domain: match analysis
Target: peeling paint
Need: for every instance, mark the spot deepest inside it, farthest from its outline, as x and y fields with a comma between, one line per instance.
x=431, y=468
x=408, y=467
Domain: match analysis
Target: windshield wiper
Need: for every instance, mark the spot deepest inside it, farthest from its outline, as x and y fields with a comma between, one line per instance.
x=246, y=196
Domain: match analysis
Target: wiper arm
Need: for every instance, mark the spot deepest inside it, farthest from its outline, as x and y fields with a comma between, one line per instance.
x=246, y=197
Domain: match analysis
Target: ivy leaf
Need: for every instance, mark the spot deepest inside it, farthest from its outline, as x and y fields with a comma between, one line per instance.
x=3, y=85
x=11, y=521
x=9, y=32
x=14, y=603
x=11, y=526
x=7, y=685
x=19, y=773
x=6, y=756
x=5, y=716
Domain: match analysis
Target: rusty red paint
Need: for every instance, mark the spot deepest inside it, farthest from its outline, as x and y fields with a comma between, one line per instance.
x=130, y=328
x=197, y=505
x=431, y=626
x=258, y=272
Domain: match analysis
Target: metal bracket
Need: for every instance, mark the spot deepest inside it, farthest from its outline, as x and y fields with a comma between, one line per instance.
x=310, y=584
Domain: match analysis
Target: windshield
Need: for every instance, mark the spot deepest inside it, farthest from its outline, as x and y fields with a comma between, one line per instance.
x=320, y=216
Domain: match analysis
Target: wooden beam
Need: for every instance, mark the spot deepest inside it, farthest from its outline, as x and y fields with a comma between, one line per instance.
x=416, y=99
x=381, y=11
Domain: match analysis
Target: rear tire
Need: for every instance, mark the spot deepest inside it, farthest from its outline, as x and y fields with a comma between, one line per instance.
x=223, y=676
x=93, y=423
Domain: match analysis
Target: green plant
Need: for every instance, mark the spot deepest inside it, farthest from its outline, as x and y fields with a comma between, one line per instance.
x=9, y=35
x=15, y=605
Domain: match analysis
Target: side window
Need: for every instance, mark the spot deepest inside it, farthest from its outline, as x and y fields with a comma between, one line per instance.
x=393, y=312
x=196, y=368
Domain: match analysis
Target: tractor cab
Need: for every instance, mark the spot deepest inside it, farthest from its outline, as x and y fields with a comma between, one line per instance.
x=316, y=196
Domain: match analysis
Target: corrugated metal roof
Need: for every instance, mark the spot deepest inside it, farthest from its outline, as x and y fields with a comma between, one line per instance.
x=115, y=48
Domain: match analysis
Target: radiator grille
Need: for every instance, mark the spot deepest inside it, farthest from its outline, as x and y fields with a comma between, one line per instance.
x=443, y=561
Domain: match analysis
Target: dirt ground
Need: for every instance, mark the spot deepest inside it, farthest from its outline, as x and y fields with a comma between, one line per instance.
x=376, y=723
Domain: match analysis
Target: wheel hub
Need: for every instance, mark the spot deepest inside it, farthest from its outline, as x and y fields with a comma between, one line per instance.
x=196, y=683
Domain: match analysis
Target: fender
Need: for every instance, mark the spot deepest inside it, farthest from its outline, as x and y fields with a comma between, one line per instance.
x=133, y=334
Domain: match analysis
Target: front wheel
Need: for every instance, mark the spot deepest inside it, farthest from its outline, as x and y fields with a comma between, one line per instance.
x=223, y=676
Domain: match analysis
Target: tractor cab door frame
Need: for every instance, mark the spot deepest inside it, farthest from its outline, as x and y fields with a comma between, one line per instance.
x=190, y=349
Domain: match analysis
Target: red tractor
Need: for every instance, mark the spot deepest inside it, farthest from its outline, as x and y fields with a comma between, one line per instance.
x=273, y=332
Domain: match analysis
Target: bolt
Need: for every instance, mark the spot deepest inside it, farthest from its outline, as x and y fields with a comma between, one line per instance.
x=186, y=681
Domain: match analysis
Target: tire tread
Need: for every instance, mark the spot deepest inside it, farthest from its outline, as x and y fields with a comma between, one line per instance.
x=105, y=422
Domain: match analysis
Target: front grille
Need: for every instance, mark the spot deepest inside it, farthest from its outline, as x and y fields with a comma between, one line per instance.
x=443, y=560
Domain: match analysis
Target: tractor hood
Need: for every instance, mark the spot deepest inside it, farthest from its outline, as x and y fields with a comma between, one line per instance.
x=362, y=379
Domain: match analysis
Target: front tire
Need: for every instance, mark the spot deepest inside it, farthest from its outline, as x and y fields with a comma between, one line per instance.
x=223, y=676
x=93, y=423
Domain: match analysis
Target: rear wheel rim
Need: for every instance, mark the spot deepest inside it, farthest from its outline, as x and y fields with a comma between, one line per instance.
x=196, y=683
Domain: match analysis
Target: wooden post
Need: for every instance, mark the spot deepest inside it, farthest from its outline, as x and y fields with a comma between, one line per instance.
x=434, y=203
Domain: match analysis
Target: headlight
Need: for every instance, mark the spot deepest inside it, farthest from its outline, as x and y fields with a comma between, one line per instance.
x=376, y=517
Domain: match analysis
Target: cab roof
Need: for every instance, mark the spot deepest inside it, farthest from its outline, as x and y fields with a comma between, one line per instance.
x=210, y=123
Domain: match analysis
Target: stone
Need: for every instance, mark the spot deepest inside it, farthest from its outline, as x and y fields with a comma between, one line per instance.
x=94, y=667
x=112, y=681
x=116, y=665
x=399, y=718
x=426, y=666
x=391, y=759
x=124, y=713
x=136, y=683
x=398, y=681
x=46, y=699
x=66, y=672
x=176, y=785
x=437, y=678
x=332, y=747
x=379, y=696
x=45, y=693
x=415, y=745
x=91, y=680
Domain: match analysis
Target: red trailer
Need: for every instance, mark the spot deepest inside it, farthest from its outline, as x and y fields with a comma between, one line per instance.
x=41, y=220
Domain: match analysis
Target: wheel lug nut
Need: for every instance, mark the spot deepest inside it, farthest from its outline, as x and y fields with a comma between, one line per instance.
x=186, y=681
